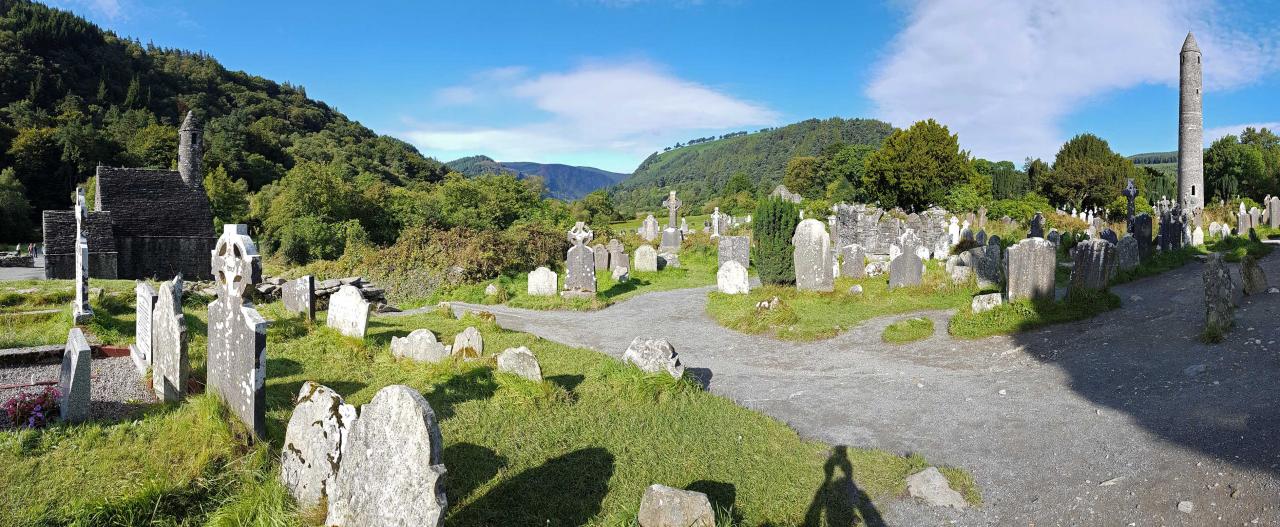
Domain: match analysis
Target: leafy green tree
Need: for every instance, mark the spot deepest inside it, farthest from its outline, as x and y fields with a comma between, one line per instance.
x=1158, y=184
x=154, y=146
x=37, y=163
x=841, y=190
x=803, y=176
x=1232, y=169
x=229, y=198
x=916, y=167
x=773, y=225
x=15, y=210
x=738, y=182
x=1087, y=173
x=596, y=209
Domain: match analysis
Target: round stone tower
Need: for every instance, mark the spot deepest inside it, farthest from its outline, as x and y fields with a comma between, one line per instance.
x=1191, y=131
x=191, y=151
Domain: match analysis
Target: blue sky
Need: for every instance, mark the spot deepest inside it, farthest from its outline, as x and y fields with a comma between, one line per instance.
x=604, y=83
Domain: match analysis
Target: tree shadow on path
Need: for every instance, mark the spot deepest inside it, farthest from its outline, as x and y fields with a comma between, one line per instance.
x=839, y=501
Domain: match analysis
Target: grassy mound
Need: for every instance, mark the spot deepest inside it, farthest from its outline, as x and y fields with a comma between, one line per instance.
x=909, y=330
x=1025, y=315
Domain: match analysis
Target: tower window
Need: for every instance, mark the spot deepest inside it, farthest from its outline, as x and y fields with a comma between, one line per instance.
x=1193, y=190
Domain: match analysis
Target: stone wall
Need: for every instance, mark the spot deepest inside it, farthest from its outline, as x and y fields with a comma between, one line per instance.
x=60, y=243
x=163, y=257
x=16, y=261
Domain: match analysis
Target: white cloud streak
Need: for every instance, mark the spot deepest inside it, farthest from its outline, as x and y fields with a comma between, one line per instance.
x=1004, y=76
x=1218, y=132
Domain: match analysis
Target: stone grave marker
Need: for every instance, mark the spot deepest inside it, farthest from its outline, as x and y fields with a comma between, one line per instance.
x=520, y=361
x=1142, y=233
x=736, y=248
x=601, y=254
x=237, y=363
x=579, y=267
x=1127, y=253
x=74, y=381
x=468, y=344
x=732, y=278
x=649, y=228
x=314, y=443
x=144, y=304
x=1030, y=268
x=987, y=264
x=653, y=356
x=81, y=313
x=1094, y=265
x=299, y=296
x=853, y=261
x=617, y=254
x=646, y=259
x=171, y=366
x=1037, y=226
x=812, y=256
x=348, y=312
x=906, y=270
x=1218, y=291
x=542, y=282
x=419, y=345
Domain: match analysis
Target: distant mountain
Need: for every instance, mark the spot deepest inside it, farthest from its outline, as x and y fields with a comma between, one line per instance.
x=563, y=181
x=697, y=172
x=1163, y=162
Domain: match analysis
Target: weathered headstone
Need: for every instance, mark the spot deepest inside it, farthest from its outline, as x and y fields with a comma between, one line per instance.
x=579, y=266
x=144, y=304
x=671, y=241
x=469, y=344
x=1197, y=236
x=348, y=312
x=621, y=274
x=520, y=361
x=646, y=259
x=905, y=270
x=987, y=264
x=542, y=282
x=419, y=345
x=732, y=278
x=1054, y=237
x=1252, y=276
x=1127, y=253
x=663, y=506
x=171, y=366
x=1218, y=290
x=982, y=218
x=617, y=254
x=74, y=381
x=1030, y=268
x=237, y=362
x=314, y=443
x=649, y=228
x=1109, y=235
x=81, y=313
x=601, y=254
x=1142, y=233
x=812, y=256
x=654, y=355
x=1037, y=226
x=981, y=237
x=1243, y=222
x=985, y=302
x=391, y=472
x=1274, y=217
x=853, y=261
x=1094, y=265
x=299, y=296
x=953, y=230
x=736, y=248
x=672, y=204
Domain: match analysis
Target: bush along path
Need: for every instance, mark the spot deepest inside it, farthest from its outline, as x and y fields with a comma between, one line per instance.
x=1082, y=423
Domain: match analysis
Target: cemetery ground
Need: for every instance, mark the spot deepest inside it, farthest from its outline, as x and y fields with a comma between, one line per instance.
x=578, y=448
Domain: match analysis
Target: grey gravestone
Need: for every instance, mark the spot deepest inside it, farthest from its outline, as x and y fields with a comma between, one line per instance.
x=649, y=228
x=74, y=380
x=579, y=265
x=653, y=356
x=468, y=344
x=420, y=345
x=853, y=261
x=812, y=256
x=981, y=237
x=1142, y=234
x=1218, y=291
x=1275, y=212
x=1243, y=223
x=671, y=241
x=601, y=254
x=314, y=443
x=144, y=304
x=1094, y=265
x=171, y=366
x=982, y=218
x=1030, y=268
x=966, y=234
x=348, y=312
x=299, y=296
x=1252, y=276
x=663, y=506
x=237, y=363
x=646, y=259
x=736, y=248
x=1037, y=226
x=905, y=270
x=672, y=204
x=81, y=313
x=732, y=279
x=542, y=282
x=391, y=472
x=1127, y=253
x=520, y=361
x=1109, y=235
x=617, y=254
x=994, y=240
x=987, y=264
x=1053, y=236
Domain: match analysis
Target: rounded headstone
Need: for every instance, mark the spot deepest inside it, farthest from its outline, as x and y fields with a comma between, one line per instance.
x=520, y=361
x=314, y=442
x=732, y=278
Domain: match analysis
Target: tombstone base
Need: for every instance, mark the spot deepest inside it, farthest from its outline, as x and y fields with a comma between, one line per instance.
x=140, y=360
x=81, y=318
x=578, y=294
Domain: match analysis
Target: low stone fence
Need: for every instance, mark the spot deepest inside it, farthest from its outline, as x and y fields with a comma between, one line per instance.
x=11, y=260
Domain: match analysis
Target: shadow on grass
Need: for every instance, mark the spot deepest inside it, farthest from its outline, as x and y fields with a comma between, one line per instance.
x=470, y=466
x=474, y=384
x=568, y=382
x=702, y=376
x=839, y=501
x=567, y=490
x=723, y=497
x=620, y=289
x=379, y=333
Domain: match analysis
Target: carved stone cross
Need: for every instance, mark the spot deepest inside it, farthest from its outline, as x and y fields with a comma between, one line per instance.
x=1130, y=193
x=580, y=234
x=672, y=205
x=237, y=361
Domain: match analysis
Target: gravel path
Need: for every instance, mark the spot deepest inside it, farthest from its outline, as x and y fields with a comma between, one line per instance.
x=116, y=390
x=1102, y=422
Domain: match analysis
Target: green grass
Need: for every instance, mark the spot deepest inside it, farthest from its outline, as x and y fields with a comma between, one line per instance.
x=909, y=330
x=577, y=448
x=1025, y=315
x=24, y=322
x=805, y=316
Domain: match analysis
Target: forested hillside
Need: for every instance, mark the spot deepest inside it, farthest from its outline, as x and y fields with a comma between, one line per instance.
x=698, y=172
x=564, y=182
x=73, y=96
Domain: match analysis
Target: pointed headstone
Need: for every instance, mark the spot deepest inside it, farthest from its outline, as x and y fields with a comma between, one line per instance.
x=74, y=379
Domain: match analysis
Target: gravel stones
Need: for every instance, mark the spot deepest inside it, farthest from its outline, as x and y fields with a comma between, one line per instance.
x=314, y=442
x=654, y=355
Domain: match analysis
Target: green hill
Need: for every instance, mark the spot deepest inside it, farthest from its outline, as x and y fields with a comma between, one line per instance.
x=1163, y=162
x=563, y=182
x=73, y=96
x=697, y=172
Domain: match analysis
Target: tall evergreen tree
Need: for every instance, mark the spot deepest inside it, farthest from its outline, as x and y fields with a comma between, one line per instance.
x=774, y=223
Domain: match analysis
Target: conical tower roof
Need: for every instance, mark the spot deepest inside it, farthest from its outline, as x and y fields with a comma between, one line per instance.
x=190, y=122
x=1190, y=43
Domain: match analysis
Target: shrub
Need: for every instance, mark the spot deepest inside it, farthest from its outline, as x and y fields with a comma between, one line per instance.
x=1021, y=209
x=32, y=410
x=774, y=223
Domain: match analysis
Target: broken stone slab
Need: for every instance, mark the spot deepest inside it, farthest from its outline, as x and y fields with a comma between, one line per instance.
x=314, y=442
x=520, y=361
x=653, y=356
x=420, y=345
x=663, y=506
x=144, y=304
x=986, y=302
x=469, y=344
x=932, y=487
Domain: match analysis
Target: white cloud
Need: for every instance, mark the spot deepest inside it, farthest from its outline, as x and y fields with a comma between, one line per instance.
x=631, y=108
x=1218, y=132
x=1004, y=76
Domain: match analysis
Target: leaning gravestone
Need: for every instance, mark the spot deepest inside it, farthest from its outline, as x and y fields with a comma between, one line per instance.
x=987, y=264
x=579, y=265
x=74, y=381
x=420, y=345
x=542, y=282
x=237, y=363
x=812, y=256
x=1252, y=276
x=1030, y=267
x=391, y=472
x=299, y=296
x=853, y=261
x=1037, y=226
x=736, y=248
x=1094, y=265
x=1127, y=253
x=646, y=259
x=520, y=361
x=81, y=313
x=348, y=312
x=617, y=255
x=905, y=270
x=314, y=444
x=601, y=257
x=653, y=356
x=1218, y=291
x=144, y=304
x=732, y=279
x=171, y=366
